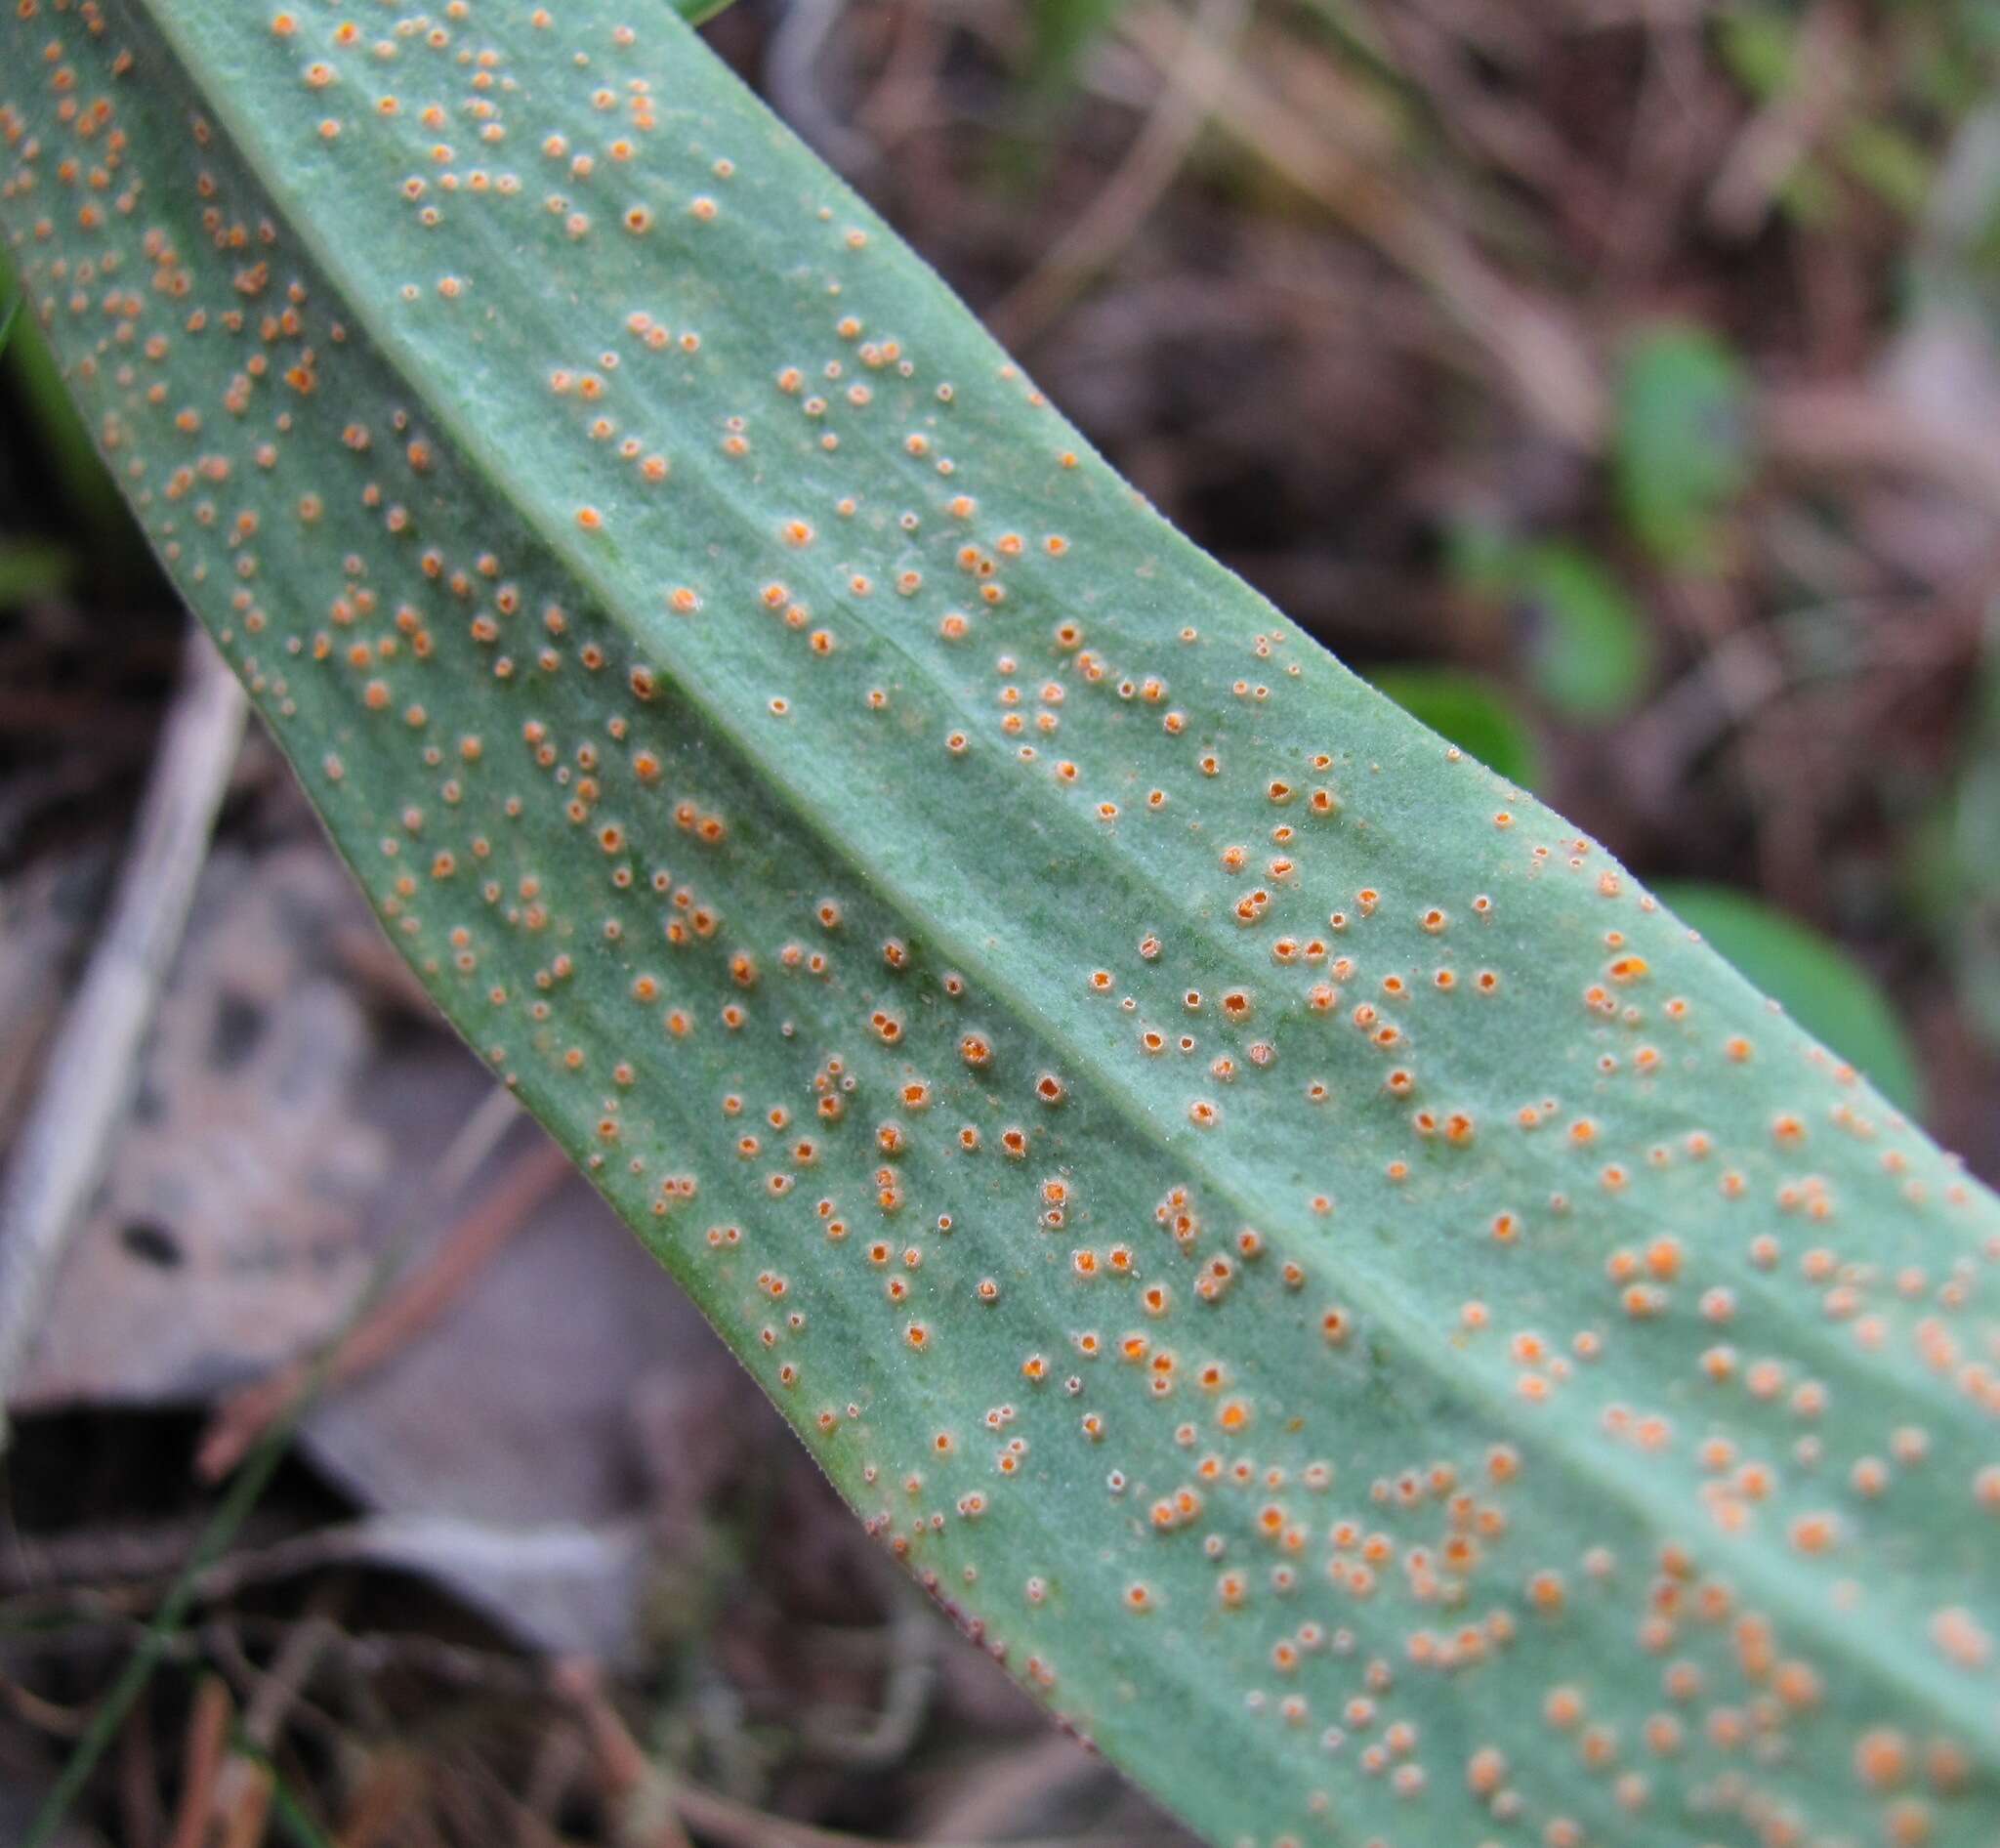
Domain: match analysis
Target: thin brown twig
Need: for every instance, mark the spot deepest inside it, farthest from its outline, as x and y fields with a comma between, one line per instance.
x=43, y=1714
x=36, y=1566
x=243, y=1787
x=62, y=1146
x=390, y=1787
x=364, y=1653
x=138, y=1784
x=468, y=1248
x=201, y=1762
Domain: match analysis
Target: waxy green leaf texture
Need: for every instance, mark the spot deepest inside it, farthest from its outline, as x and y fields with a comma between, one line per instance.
x=1308, y=1263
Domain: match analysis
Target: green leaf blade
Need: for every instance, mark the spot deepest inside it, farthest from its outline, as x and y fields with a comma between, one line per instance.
x=1267, y=1224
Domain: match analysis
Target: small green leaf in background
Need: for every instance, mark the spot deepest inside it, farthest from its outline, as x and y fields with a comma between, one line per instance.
x=1825, y=988
x=7, y=316
x=1679, y=440
x=1473, y=712
x=32, y=568
x=1890, y=164
x=1810, y=196
x=1757, y=47
x=1587, y=643
x=1064, y=30
x=1583, y=639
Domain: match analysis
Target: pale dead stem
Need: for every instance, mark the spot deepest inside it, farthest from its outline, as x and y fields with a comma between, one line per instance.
x=1509, y=136
x=1545, y=361
x=1781, y=134
x=62, y=1147
x=659, y=1807
x=884, y=1737
x=1140, y=180
x=1844, y=426
x=792, y=75
x=245, y=1786
x=1545, y=358
x=226, y=1791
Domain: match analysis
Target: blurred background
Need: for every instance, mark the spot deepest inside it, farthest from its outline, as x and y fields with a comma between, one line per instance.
x=1614, y=382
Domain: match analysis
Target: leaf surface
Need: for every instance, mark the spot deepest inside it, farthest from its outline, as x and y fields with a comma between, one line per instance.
x=1311, y=1264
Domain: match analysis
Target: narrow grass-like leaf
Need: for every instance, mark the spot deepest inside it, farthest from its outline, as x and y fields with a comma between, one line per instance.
x=1306, y=1261
x=30, y=569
